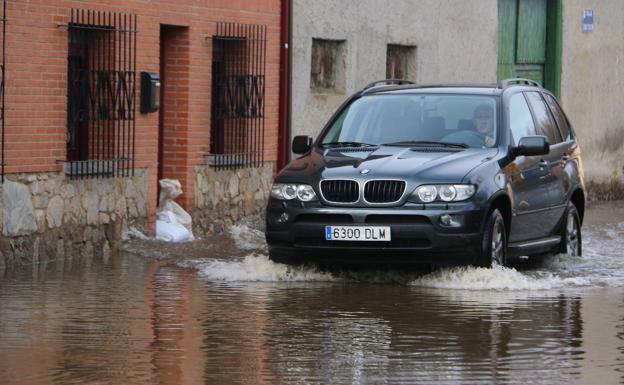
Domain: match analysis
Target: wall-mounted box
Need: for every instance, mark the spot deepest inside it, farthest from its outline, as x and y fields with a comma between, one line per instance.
x=150, y=92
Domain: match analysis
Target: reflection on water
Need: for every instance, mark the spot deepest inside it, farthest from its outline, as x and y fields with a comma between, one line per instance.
x=249, y=321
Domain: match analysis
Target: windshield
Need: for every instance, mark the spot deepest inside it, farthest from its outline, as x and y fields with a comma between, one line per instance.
x=407, y=119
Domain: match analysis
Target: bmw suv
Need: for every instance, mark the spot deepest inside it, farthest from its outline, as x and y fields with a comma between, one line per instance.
x=432, y=175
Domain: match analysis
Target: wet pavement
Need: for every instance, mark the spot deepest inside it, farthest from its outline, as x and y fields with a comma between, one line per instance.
x=219, y=312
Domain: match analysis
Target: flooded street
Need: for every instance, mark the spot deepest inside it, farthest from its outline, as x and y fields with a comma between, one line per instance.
x=225, y=314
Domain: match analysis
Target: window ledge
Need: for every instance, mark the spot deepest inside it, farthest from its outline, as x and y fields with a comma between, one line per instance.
x=233, y=160
x=101, y=168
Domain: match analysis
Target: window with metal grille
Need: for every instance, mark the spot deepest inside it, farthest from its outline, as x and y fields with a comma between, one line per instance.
x=238, y=95
x=101, y=94
x=2, y=77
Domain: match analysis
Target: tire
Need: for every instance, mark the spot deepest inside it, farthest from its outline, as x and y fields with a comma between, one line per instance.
x=494, y=241
x=571, y=237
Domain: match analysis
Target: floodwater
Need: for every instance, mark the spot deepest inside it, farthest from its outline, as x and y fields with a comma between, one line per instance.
x=223, y=314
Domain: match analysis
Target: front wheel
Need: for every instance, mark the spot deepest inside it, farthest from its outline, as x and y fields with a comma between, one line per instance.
x=285, y=258
x=494, y=241
x=571, y=239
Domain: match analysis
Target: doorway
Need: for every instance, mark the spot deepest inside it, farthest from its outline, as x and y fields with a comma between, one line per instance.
x=173, y=111
x=529, y=41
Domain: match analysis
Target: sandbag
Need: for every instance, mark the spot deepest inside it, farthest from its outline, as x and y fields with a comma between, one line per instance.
x=172, y=232
x=173, y=224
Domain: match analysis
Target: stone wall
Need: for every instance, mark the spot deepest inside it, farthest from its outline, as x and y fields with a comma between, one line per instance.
x=49, y=216
x=224, y=197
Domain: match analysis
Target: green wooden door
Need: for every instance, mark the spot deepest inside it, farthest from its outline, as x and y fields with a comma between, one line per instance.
x=529, y=41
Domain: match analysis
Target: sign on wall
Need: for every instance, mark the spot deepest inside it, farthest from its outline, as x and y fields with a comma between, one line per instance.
x=588, y=20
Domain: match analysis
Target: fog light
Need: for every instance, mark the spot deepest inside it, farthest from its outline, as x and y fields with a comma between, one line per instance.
x=283, y=218
x=446, y=220
x=451, y=220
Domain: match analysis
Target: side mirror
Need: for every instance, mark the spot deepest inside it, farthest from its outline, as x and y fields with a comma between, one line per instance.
x=301, y=144
x=532, y=145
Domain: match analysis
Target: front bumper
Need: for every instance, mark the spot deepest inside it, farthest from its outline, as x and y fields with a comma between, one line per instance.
x=295, y=232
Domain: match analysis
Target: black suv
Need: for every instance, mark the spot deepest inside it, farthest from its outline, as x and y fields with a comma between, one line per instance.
x=432, y=175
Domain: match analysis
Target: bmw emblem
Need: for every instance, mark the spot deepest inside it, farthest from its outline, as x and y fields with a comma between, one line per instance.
x=365, y=171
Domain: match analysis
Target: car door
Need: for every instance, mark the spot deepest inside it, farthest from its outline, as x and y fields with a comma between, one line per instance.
x=564, y=151
x=527, y=175
x=551, y=162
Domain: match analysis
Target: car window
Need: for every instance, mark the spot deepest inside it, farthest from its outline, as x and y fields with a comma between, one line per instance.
x=560, y=117
x=545, y=124
x=520, y=119
x=383, y=119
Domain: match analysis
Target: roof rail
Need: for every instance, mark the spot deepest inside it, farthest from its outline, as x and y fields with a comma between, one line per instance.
x=518, y=81
x=386, y=82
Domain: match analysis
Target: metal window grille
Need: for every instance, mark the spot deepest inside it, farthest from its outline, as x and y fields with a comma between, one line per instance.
x=238, y=95
x=2, y=78
x=101, y=96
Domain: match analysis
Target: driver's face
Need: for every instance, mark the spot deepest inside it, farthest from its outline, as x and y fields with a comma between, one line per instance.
x=483, y=122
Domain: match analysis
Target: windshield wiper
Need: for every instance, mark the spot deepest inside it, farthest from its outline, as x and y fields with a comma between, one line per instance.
x=426, y=143
x=348, y=144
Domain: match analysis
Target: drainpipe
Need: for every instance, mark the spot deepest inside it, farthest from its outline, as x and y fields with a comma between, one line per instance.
x=283, y=136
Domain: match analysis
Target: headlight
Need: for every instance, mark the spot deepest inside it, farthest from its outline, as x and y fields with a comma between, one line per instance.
x=427, y=193
x=444, y=193
x=447, y=193
x=305, y=193
x=290, y=191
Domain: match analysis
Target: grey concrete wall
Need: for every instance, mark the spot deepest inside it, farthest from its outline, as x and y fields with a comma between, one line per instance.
x=592, y=84
x=456, y=42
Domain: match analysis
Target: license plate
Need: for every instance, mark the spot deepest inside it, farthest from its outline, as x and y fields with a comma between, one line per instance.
x=357, y=233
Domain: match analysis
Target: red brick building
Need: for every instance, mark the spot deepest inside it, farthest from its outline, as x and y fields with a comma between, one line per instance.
x=77, y=146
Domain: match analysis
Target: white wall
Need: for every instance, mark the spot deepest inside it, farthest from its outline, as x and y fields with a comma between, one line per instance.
x=592, y=83
x=456, y=42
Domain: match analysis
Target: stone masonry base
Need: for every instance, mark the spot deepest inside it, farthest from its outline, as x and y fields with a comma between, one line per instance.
x=224, y=197
x=49, y=216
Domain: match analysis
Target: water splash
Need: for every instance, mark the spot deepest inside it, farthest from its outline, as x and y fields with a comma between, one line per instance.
x=256, y=268
x=247, y=238
x=601, y=266
x=478, y=278
x=134, y=233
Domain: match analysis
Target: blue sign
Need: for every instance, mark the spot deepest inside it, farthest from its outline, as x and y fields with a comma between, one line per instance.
x=588, y=20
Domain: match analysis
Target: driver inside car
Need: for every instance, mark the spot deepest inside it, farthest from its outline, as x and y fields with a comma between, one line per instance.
x=483, y=119
x=482, y=135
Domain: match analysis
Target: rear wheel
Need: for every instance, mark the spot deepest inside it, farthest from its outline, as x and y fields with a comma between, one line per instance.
x=571, y=239
x=494, y=241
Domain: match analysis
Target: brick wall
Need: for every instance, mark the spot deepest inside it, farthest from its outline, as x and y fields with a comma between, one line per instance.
x=36, y=85
x=175, y=82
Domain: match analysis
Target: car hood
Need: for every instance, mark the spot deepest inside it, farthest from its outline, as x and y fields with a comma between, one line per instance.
x=423, y=164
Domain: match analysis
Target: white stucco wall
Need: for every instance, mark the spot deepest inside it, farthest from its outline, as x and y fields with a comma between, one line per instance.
x=456, y=42
x=592, y=83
